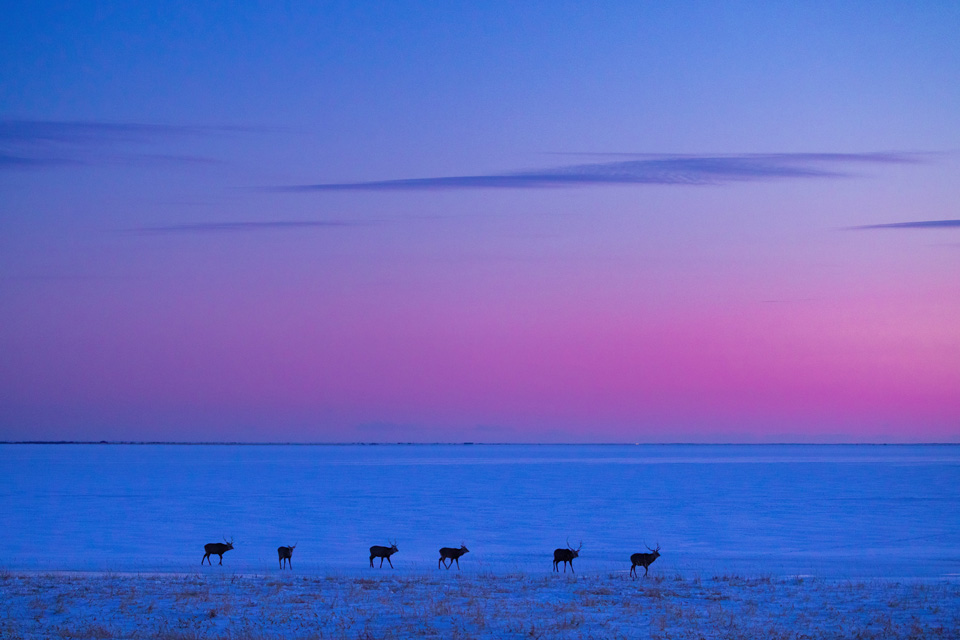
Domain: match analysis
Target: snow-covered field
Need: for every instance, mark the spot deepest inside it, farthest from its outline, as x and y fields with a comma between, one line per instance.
x=445, y=604
x=757, y=541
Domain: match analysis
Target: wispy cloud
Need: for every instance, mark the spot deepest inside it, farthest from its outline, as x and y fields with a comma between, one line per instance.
x=645, y=169
x=37, y=144
x=379, y=432
x=917, y=224
x=10, y=160
x=81, y=132
x=234, y=227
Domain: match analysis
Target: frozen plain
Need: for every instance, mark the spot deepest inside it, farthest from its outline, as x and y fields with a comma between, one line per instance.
x=826, y=511
x=758, y=541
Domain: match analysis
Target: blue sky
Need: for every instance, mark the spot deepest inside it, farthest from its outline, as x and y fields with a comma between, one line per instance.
x=710, y=221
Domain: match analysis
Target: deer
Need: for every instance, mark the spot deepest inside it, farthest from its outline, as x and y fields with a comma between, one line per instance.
x=383, y=553
x=566, y=556
x=643, y=560
x=451, y=555
x=218, y=548
x=286, y=553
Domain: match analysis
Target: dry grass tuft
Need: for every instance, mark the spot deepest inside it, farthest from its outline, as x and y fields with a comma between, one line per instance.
x=91, y=631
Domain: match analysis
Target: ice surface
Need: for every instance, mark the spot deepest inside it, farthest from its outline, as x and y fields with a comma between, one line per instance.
x=826, y=511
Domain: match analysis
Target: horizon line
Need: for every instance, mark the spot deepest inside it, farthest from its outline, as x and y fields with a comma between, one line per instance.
x=460, y=443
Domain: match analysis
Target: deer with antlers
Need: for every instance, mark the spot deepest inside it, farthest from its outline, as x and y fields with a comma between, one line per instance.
x=383, y=553
x=451, y=555
x=286, y=553
x=566, y=556
x=643, y=560
x=218, y=548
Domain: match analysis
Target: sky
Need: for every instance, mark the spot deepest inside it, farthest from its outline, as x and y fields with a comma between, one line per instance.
x=488, y=222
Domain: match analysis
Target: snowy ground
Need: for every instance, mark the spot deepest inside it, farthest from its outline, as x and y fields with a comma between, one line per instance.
x=441, y=604
x=876, y=529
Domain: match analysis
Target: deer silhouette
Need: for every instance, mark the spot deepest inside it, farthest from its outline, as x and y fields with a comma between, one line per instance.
x=643, y=560
x=451, y=555
x=383, y=553
x=218, y=548
x=286, y=553
x=566, y=556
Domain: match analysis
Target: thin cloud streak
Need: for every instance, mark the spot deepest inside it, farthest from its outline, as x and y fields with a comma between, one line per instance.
x=10, y=161
x=918, y=224
x=83, y=132
x=645, y=169
x=38, y=144
x=234, y=227
x=160, y=159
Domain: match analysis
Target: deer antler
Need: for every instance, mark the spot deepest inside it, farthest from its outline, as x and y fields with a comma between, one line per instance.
x=581, y=546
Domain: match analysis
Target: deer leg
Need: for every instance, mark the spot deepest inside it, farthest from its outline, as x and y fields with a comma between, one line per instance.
x=381, y=563
x=458, y=563
x=388, y=560
x=221, y=558
x=571, y=567
x=646, y=569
